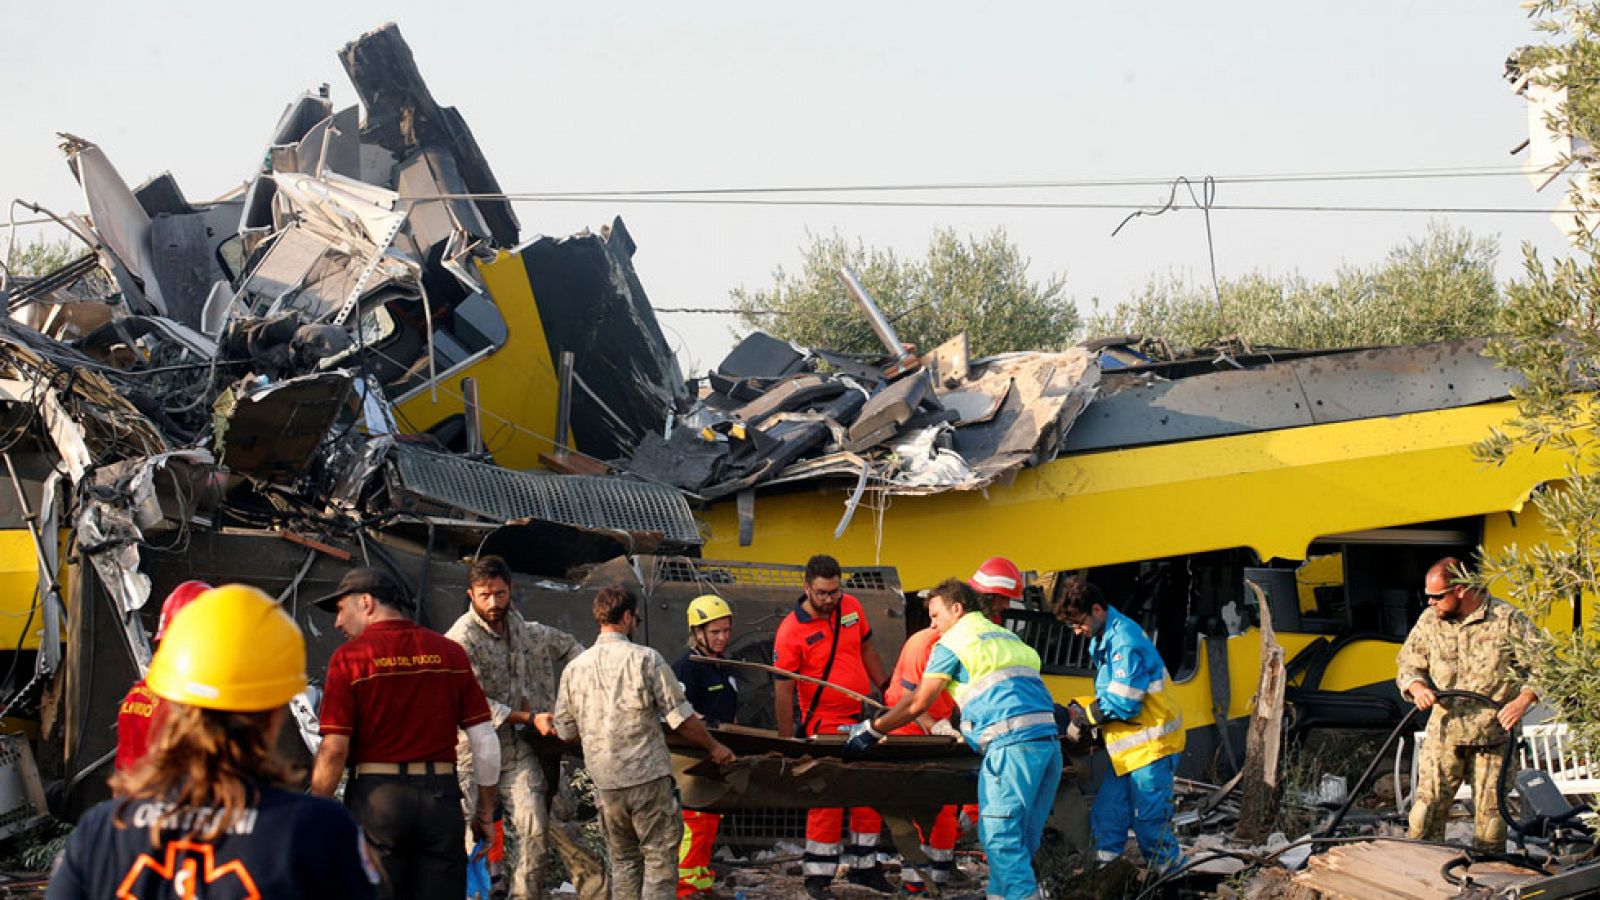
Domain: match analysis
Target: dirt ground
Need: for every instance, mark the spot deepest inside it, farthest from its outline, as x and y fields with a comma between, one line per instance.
x=778, y=877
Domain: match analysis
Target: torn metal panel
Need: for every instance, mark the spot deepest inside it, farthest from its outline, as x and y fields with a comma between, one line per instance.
x=119, y=220
x=590, y=302
x=424, y=479
x=402, y=116
x=186, y=253
x=68, y=436
x=271, y=431
x=332, y=145
x=1307, y=390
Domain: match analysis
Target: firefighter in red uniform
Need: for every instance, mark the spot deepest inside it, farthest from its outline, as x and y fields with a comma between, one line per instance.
x=138, y=709
x=827, y=636
x=939, y=843
x=396, y=693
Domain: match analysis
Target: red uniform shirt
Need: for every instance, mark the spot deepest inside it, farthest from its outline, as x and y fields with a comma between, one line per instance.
x=908, y=675
x=134, y=718
x=802, y=647
x=400, y=692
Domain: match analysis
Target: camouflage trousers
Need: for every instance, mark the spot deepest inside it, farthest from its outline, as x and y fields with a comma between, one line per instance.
x=644, y=826
x=525, y=798
x=1441, y=769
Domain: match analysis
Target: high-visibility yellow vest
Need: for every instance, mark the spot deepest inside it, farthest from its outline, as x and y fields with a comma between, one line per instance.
x=1003, y=698
x=1131, y=705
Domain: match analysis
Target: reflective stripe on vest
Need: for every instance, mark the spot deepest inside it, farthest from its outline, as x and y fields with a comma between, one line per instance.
x=990, y=654
x=1006, y=726
x=1144, y=736
x=993, y=678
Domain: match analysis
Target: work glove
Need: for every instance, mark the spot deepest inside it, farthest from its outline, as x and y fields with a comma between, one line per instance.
x=943, y=728
x=1077, y=723
x=861, y=740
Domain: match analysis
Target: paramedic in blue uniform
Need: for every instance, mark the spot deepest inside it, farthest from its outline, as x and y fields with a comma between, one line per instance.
x=204, y=813
x=1142, y=726
x=1006, y=714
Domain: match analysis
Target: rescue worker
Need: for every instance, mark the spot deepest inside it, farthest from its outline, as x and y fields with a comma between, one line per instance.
x=613, y=698
x=998, y=583
x=395, y=695
x=205, y=813
x=827, y=636
x=1141, y=724
x=1006, y=715
x=714, y=694
x=518, y=664
x=136, y=715
x=1465, y=641
x=939, y=842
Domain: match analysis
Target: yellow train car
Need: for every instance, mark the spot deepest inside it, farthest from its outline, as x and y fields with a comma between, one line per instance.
x=1336, y=520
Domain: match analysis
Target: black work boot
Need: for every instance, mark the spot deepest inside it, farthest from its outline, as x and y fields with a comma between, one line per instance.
x=872, y=879
x=817, y=887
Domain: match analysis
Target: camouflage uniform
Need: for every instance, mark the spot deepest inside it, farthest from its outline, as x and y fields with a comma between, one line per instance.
x=613, y=697
x=1473, y=653
x=519, y=670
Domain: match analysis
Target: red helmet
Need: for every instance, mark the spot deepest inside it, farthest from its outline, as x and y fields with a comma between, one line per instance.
x=997, y=575
x=178, y=599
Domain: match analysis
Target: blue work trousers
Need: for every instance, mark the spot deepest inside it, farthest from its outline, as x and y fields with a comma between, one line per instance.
x=1141, y=799
x=1016, y=788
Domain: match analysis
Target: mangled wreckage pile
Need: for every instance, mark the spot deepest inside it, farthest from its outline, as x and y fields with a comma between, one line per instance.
x=773, y=413
x=353, y=359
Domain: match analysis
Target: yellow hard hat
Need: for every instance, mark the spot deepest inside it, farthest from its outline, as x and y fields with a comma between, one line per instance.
x=708, y=608
x=231, y=649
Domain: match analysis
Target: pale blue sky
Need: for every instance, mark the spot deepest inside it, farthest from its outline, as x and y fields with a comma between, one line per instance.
x=632, y=95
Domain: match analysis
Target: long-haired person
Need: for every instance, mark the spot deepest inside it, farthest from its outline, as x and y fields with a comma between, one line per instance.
x=204, y=813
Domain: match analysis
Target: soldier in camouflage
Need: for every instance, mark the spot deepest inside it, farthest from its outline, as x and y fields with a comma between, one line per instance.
x=519, y=665
x=1466, y=641
x=613, y=698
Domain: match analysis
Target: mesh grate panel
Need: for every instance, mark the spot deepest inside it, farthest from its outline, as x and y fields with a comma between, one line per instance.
x=579, y=500
x=1061, y=652
x=702, y=571
x=762, y=827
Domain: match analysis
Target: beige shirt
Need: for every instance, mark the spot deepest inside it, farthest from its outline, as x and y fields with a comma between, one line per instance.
x=520, y=668
x=1474, y=653
x=614, y=697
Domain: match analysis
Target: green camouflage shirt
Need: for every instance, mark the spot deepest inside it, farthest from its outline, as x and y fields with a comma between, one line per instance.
x=1474, y=653
x=523, y=667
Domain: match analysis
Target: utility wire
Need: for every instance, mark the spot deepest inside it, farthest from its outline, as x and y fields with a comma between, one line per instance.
x=693, y=195
x=985, y=204
x=1115, y=181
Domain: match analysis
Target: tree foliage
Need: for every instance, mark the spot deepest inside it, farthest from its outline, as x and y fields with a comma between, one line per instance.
x=979, y=285
x=1435, y=287
x=1550, y=333
x=42, y=256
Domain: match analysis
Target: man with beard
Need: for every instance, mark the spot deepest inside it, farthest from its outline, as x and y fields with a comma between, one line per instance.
x=519, y=664
x=827, y=636
x=1465, y=641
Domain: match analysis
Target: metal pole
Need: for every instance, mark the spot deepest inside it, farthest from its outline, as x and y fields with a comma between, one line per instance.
x=564, y=405
x=469, y=404
x=880, y=325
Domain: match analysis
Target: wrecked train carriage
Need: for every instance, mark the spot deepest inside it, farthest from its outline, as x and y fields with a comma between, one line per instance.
x=267, y=388
x=1331, y=479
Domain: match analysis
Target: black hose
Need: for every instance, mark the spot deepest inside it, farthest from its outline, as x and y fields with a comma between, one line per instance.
x=1471, y=857
x=1383, y=752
